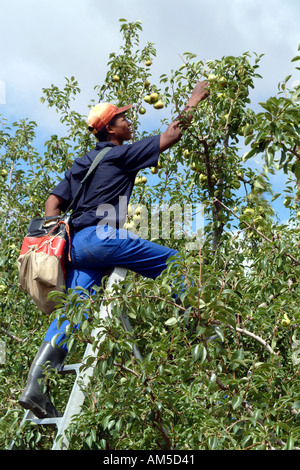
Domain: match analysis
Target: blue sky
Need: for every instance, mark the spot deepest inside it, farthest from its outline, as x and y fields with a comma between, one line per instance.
x=41, y=42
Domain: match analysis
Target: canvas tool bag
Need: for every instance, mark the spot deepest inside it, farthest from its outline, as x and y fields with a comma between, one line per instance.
x=42, y=260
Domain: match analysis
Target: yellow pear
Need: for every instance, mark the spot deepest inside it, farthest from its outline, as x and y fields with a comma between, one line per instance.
x=286, y=321
x=212, y=77
x=158, y=105
x=153, y=98
x=223, y=81
x=154, y=170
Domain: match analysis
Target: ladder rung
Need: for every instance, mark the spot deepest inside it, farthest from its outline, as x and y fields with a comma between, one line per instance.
x=70, y=369
x=45, y=421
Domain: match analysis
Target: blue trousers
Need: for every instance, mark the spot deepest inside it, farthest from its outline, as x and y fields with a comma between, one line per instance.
x=95, y=250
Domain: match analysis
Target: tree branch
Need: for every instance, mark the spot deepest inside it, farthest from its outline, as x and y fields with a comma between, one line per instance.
x=252, y=335
x=19, y=340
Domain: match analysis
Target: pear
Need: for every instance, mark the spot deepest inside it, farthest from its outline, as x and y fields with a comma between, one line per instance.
x=236, y=184
x=138, y=210
x=212, y=77
x=129, y=210
x=136, y=218
x=158, y=105
x=286, y=321
x=223, y=81
x=153, y=98
x=195, y=166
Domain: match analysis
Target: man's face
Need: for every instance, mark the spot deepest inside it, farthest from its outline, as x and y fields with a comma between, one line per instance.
x=121, y=128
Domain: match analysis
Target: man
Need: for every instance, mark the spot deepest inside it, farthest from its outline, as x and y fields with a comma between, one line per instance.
x=99, y=242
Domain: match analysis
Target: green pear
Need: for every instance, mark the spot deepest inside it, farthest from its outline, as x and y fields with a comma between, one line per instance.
x=158, y=105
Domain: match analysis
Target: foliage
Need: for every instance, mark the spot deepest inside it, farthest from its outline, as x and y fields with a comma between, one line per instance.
x=220, y=346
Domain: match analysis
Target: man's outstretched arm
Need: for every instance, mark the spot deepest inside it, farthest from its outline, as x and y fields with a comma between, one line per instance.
x=173, y=133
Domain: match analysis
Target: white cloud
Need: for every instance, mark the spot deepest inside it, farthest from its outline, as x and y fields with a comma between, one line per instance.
x=41, y=42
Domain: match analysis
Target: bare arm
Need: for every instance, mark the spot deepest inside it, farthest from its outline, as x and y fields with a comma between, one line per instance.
x=53, y=205
x=173, y=133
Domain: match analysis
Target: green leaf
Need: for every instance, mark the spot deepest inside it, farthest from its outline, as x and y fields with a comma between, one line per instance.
x=296, y=58
x=250, y=154
x=248, y=139
x=213, y=443
x=94, y=435
x=220, y=333
x=203, y=353
x=276, y=196
x=199, y=352
x=290, y=443
x=296, y=405
x=196, y=352
x=236, y=402
x=248, y=129
x=171, y=321
x=131, y=315
x=103, y=443
x=296, y=169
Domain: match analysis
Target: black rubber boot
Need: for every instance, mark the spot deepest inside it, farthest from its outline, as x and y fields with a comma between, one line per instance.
x=32, y=398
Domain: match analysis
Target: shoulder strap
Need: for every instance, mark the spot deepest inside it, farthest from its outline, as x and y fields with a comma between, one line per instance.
x=95, y=163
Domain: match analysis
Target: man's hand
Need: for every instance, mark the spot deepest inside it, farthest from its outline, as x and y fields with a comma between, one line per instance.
x=200, y=92
x=173, y=133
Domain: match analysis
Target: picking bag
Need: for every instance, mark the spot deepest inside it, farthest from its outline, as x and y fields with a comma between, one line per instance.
x=41, y=262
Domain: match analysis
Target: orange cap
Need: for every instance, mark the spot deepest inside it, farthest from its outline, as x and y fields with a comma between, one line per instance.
x=102, y=114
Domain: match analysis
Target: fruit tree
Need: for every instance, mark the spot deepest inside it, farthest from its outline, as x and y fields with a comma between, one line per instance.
x=220, y=345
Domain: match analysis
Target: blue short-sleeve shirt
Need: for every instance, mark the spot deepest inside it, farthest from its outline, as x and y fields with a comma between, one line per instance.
x=106, y=192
